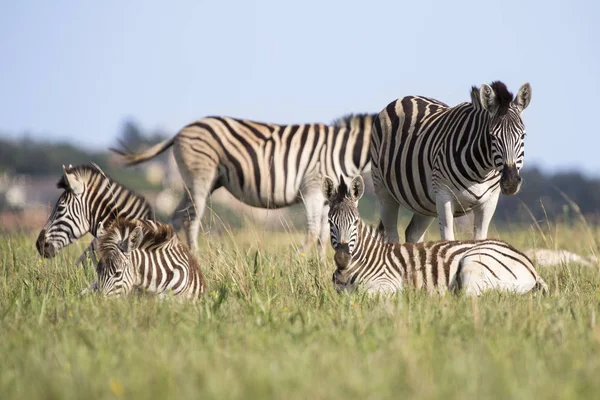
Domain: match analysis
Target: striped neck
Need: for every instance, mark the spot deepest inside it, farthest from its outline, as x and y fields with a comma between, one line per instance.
x=369, y=250
x=474, y=144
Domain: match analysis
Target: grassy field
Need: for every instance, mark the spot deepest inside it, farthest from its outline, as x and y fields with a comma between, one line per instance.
x=271, y=326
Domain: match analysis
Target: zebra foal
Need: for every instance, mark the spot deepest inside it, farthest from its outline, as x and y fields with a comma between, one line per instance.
x=89, y=198
x=146, y=255
x=364, y=258
x=443, y=161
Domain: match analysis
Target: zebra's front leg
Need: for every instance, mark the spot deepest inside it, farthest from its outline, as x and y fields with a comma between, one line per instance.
x=313, y=201
x=324, y=238
x=89, y=252
x=415, y=231
x=483, y=216
x=445, y=208
x=389, y=214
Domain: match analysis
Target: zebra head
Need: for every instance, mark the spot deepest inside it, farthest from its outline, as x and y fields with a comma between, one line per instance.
x=116, y=272
x=69, y=219
x=506, y=131
x=343, y=212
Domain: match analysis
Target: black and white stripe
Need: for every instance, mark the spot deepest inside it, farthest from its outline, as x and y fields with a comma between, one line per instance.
x=443, y=161
x=146, y=255
x=89, y=198
x=264, y=165
x=363, y=258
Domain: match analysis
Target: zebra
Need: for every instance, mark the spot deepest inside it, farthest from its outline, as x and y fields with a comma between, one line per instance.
x=263, y=165
x=363, y=257
x=146, y=255
x=443, y=161
x=89, y=198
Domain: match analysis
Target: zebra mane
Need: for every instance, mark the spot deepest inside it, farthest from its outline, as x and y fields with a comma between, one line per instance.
x=155, y=235
x=354, y=120
x=475, y=98
x=504, y=97
x=87, y=173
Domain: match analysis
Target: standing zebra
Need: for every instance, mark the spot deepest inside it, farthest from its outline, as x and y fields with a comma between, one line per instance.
x=364, y=258
x=443, y=161
x=89, y=198
x=146, y=255
x=264, y=165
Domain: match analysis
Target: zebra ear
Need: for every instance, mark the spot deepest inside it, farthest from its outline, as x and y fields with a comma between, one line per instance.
x=328, y=187
x=524, y=96
x=357, y=187
x=72, y=181
x=489, y=101
x=132, y=241
x=136, y=237
x=100, y=231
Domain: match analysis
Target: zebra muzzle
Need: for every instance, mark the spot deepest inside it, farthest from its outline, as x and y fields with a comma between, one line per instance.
x=342, y=256
x=45, y=249
x=510, y=180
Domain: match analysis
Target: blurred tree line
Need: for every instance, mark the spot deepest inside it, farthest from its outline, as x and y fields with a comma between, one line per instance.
x=44, y=158
x=543, y=195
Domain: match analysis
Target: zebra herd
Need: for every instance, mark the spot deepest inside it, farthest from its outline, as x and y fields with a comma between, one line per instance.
x=433, y=159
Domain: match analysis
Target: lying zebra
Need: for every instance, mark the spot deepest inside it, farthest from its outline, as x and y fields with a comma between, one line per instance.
x=364, y=258
x=146, y=255
x=89, y=198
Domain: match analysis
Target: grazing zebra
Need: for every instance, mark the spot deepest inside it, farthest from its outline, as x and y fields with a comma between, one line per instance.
x=89, y=198
x=147, y=255
x=443, y=161
x=364, y=258
x=264, y=165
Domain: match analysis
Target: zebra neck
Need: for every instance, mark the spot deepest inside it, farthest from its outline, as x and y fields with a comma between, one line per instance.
x=369, y=243
x=480, y=145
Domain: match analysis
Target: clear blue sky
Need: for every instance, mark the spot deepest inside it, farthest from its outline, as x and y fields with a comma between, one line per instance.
x=75, y=70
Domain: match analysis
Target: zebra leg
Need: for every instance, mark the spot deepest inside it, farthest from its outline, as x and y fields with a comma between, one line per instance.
x=324, y=238
x=199, y=185
x=313, y=201
x=445, y=209
x=181, y=213
x=89, y=252
x=389, y=214
x=415, y=231
x=483, y=216
x=477, y=273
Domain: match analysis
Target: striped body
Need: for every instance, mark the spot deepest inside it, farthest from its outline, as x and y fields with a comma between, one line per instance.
x=414, y=160
x=264, y=165
x=380, y=266
x=146, y=255
x=437, y=160
x=364, y=258
x=90, y=198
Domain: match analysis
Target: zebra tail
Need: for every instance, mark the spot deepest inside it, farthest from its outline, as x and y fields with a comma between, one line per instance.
x=132, y=158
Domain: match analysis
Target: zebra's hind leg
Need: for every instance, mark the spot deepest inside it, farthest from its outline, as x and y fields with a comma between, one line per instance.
x=415, y=231
x=479, y=272
x=199, y=185
x=388, y=207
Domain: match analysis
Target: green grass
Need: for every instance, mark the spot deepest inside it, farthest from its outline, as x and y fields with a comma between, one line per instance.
x=271, y=326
